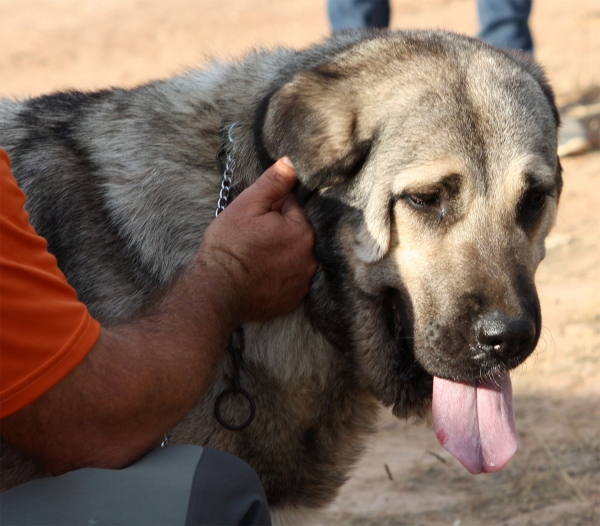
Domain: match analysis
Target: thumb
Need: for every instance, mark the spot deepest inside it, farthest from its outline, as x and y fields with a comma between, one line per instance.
x=292, y=210
x=274, y=184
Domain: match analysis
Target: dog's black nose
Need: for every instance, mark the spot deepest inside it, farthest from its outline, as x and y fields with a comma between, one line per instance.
x=505, y=336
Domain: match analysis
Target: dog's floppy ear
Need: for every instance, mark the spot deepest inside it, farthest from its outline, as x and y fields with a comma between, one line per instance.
x=315, y=120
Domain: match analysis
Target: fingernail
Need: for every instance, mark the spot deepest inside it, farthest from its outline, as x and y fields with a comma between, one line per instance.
x=286, y=160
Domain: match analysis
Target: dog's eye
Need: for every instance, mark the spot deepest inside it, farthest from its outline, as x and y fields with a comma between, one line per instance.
x=532, y=205
x=423, y=201
x=535, y=198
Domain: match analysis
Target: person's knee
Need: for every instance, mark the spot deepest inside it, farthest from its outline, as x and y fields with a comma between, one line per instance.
x=226, y=490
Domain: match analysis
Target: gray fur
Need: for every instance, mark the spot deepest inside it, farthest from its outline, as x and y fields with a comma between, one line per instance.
x=123, y=183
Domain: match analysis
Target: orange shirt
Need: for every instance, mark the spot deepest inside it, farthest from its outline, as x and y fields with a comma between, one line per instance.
x=45, y=332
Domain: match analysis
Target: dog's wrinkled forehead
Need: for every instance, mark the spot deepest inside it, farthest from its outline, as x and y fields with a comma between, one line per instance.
x=484, y=133
x=407, y=107
x=487, y=113
x=404, y=93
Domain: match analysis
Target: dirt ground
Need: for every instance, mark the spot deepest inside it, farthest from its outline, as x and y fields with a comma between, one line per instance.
x=405, y=478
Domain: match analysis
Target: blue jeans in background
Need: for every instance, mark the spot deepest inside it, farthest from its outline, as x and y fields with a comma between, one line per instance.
x=358, y=14
x=504, y=23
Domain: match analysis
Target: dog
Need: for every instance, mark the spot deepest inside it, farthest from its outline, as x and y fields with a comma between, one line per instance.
x=427, y=167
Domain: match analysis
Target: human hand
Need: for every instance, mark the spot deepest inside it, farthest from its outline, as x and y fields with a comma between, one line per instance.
x=264, y=244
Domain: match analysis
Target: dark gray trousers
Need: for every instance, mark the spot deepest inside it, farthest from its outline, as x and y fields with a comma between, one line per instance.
x=175, y=485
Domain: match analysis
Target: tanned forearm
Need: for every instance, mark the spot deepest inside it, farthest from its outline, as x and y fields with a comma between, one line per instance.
x=140, y=379
x=256, y=261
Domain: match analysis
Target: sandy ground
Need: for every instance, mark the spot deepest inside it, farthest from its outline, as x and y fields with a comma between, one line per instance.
x=405, y=477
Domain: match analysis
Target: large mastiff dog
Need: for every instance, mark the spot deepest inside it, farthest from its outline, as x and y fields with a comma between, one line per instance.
x=428, y=169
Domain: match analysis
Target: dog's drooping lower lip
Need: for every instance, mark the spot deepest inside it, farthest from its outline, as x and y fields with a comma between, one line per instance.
x=409, y=372
x=394, y=308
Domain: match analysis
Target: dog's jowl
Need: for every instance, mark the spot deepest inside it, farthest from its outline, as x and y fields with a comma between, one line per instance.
x=428, y=169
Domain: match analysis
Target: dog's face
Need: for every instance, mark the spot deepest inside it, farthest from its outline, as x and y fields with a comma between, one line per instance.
x=430, y=175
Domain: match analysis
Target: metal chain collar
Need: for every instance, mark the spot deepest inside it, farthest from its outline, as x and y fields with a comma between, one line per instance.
x=227, y=173
x=236, y=350
x=236, y=342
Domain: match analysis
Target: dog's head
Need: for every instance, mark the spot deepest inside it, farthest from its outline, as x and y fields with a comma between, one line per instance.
x=428, y=169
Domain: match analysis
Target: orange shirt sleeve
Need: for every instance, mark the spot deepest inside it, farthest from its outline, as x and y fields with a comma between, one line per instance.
x=45, y=331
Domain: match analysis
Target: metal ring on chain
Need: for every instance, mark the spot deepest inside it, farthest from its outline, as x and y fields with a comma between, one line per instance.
x=221, y=205
x=221, y=420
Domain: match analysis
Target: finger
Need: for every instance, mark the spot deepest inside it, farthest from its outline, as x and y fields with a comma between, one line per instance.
x=276, y=207
x=290, y=209
x=273, y=185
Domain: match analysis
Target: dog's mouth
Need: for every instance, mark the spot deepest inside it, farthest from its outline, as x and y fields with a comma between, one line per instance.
x=473, y=421
x=408, y=370
x=414, y=383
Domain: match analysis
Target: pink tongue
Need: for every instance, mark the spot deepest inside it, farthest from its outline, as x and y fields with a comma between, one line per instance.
x=476, y=422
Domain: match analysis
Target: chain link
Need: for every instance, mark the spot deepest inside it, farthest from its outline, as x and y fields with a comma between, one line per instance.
x=227, y=175
x=166, y=439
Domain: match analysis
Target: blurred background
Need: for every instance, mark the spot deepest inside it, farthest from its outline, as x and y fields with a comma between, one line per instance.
x=52, y=44
x=405, y=477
